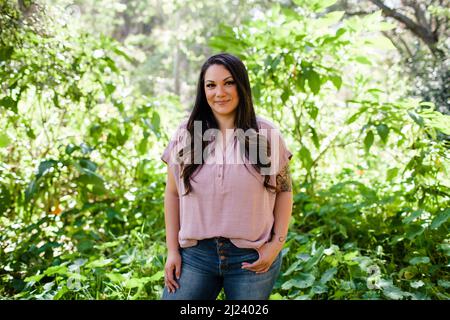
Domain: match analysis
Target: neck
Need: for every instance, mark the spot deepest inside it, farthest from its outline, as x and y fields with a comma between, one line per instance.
x=225, y=122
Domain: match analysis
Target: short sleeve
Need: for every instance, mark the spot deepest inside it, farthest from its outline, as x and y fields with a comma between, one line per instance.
x=176, y=143
x=279, y=152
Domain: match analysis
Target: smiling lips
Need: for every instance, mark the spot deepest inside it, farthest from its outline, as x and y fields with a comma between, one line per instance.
x=222, y=102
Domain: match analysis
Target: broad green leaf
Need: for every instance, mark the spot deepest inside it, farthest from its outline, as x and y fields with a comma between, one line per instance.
x=300, y=83
x=111, y=64
x=70, y=148
x=356, y=115
x=114, y=214
x=316, y=5
x=351, y=255
x=428, y=104
x=414, y=231
x=385, y=26
x=115, y=277
x=136, y=282
x=383, y=131
x=61, y=293
x=313, y=81
x=35, y=278
x=393, y=292
x=142, y=147
x=314, y=259
x=417, y=119
x=417, y=284
x=157, y=276
x=4, y=140
x=336, y=80
x=45, y=166
x=61, y=269
x=109, y=88
x=313, y=111
x=302, y=281
x=85, y=245
x=319, y=289
x=441, y=218
x=285, y=95
x=156, y=122
x=88, y=164
x=276, y=296
x=305, y=157
x=391, y=174
x=444, y=283
x=314, y=137
x=416, y=214
x=123, y=54
x=363, y=60
x=294, y=267
x=381, y=42
x=9, y=103
x=419, y=260
x=323, y=4
x=328, y=275
x=368, y=140
x=6, y=52
x=329, y=19
x=275, y=62
x=99, y=263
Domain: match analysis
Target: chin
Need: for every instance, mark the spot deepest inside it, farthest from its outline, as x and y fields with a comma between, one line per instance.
x=224, y=112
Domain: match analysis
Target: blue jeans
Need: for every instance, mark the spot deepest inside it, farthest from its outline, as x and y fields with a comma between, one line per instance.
x=215, y=263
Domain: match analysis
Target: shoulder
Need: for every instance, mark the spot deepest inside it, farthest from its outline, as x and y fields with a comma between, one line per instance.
x=183, y=124
x=178, y=130
x=263, y=123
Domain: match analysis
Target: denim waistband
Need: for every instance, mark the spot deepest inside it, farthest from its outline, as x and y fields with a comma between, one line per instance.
x=215, y=240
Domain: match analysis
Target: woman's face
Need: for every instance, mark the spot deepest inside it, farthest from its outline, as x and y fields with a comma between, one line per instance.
x=221, y=90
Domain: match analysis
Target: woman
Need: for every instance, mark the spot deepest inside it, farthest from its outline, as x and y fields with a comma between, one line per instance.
x=228, y=198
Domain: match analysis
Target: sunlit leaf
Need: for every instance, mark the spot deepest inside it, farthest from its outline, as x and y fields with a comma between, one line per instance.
x=4, y=140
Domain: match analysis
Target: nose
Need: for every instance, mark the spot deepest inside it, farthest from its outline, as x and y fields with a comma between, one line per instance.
x=220, y=91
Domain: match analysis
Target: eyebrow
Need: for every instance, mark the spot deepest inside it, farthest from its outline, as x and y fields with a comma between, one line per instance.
x=222, y=80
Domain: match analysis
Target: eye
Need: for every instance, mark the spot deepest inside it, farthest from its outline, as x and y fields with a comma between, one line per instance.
x=210, y=85
x=229, y=83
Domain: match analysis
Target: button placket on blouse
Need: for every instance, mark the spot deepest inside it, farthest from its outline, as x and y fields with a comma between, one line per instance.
x=226, y=154
x=220, y=166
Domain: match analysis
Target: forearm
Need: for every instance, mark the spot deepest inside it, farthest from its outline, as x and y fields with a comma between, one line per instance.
x=282, y=216
x=172, y=220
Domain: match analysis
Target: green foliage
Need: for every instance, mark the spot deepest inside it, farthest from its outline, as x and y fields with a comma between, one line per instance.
x=78, y=178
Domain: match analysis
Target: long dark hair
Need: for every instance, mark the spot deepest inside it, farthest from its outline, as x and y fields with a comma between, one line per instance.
x=245, y=118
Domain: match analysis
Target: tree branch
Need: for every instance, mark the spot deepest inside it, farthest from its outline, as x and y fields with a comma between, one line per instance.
x=419, y=13
x=422, y=32
x=393, y=37
x=360, y=13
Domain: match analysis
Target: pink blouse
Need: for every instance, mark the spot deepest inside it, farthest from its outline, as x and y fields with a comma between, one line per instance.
x=227, y=198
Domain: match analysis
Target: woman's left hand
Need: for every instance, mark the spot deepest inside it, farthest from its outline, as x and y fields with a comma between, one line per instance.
x=267, y=255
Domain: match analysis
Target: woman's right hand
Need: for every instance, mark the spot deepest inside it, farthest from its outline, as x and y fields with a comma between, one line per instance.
x=172, y=270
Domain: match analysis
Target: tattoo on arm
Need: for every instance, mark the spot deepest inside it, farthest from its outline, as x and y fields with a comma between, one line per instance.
x=284, y=181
